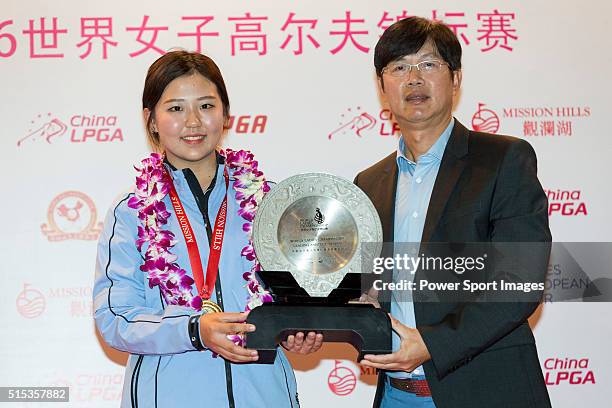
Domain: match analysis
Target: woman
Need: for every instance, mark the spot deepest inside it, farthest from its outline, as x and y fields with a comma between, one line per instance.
x=162, y=292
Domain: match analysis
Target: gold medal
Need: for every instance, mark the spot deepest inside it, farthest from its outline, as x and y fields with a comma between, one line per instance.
x=208, y=306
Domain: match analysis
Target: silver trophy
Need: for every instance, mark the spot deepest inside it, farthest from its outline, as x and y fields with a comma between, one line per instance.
x=308, y=236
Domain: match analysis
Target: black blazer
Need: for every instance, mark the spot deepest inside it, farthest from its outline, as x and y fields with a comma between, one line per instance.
x=487, y=190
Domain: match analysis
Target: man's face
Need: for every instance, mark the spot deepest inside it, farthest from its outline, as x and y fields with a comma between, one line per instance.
x=419, y=99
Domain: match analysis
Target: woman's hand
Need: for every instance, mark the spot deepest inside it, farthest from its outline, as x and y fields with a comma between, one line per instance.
x=303, y=344
x=214, y=328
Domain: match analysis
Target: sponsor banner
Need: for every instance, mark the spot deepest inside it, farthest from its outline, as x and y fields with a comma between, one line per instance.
x=75, y=302
x=304, y=97
x=81, y=38
x=531, y=121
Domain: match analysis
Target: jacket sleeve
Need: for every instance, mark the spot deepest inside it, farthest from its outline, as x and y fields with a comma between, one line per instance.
x=519, y=214
x=121, y=313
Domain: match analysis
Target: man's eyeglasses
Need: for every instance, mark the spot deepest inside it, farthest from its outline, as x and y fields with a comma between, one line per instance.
x=399, y=69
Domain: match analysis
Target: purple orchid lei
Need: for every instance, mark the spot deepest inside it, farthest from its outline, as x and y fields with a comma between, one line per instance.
x=152, y=185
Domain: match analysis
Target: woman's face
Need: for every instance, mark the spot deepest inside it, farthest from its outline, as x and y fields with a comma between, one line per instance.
x=189, y=119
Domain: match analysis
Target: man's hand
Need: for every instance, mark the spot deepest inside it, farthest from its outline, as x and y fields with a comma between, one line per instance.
x=214, y=328
x=412, y=353
x=303, y=345
x=370, y=297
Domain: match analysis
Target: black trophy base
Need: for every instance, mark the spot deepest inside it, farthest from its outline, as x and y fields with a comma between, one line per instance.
x=365, y=327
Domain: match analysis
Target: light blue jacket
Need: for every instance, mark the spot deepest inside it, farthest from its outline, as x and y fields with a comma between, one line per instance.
x=164, y=369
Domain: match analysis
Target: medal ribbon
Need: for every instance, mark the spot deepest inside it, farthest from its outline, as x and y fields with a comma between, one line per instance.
x=204, y=288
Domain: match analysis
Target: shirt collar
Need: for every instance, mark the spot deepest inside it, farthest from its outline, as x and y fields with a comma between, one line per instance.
x=174, y=171
x=435, y=152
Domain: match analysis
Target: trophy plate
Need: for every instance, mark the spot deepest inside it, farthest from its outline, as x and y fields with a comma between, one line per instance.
x=312, y=225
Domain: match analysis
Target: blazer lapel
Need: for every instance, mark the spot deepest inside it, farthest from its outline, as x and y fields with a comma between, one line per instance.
x=385, y=197
x=451, y=167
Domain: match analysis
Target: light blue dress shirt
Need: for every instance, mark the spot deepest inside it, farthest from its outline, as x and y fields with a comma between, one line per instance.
x=415, y=182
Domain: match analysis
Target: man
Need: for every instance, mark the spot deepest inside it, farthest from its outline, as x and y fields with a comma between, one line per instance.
x=446, y=183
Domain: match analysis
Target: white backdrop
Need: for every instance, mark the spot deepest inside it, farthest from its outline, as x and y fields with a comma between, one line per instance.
x=303, y=94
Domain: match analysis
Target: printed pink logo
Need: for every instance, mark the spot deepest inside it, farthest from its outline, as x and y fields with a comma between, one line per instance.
x=566, y=203
x=81, y=128
x=44, y=127
x=354, y=122
x=568, y=371
x=89, y=386
x=485, y=120
x=30, y=302
x=72, y=215
x=548, y=121
x=341, y=380
x=359, y=123
x=75, y=300
x=248, y=124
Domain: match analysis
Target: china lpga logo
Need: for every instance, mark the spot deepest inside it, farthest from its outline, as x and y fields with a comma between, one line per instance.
x=45, y=127
x=354, y=121
x=80, y=128
x=72, y=215
x=30, y=302
x=485, y=120
x=361, y=123
x=341, y=380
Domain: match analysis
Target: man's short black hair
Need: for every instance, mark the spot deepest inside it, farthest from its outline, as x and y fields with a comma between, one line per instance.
x=408, y=36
